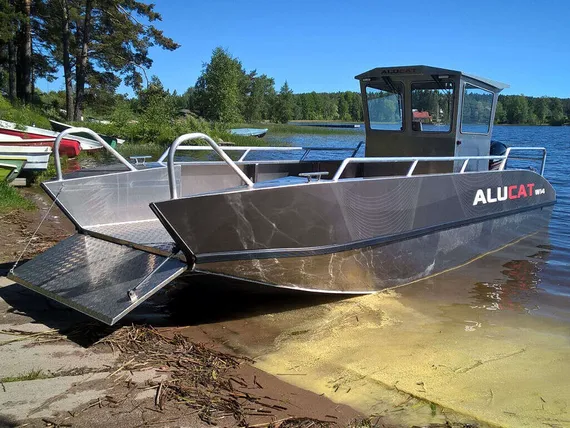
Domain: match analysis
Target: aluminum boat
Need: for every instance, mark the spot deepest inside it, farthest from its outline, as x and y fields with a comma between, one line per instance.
x=428, y=195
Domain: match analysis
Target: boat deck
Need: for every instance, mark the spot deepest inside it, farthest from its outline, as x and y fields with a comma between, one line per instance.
x=148, y=235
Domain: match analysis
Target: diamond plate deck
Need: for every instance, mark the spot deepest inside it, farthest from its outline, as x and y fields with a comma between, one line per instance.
x=149, y=234
x=94, y=276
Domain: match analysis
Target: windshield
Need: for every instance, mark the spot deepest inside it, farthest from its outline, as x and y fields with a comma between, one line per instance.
x=432, y=105
x=385, y=105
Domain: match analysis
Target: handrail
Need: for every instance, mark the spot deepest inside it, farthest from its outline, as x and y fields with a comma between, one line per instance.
x=248, y=149
x=215, y=147
x=509, y=149
x=415, y=160
x=96, y=137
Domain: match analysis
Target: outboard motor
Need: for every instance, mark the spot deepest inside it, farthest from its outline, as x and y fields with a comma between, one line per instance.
x=497, y=149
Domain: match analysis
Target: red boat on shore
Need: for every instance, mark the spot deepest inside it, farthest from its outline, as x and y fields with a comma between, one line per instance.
x=69, y=148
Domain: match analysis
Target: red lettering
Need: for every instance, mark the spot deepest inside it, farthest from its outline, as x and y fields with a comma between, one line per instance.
x=530, y=187
x=522, y=191
x=511, y=190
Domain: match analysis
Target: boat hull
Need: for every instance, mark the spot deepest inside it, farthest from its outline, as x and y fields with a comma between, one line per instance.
x=374, y=268
x=69, y=148
x=37, y=157
x=85, y=144
x=10, y=167
x=249, y=132
x=60, y=127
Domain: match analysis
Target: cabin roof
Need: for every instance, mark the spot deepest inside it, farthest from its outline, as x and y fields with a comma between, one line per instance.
x=408, y=70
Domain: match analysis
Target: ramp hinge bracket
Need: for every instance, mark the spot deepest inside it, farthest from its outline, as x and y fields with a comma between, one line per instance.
x=132, y=293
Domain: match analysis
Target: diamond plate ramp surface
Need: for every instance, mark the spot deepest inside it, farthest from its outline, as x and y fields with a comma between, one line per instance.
x=95, y=276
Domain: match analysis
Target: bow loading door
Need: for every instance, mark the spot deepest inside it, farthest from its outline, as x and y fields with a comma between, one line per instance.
x=102, y=279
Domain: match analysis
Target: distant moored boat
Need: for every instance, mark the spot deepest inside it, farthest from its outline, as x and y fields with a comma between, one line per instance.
x=249, y=132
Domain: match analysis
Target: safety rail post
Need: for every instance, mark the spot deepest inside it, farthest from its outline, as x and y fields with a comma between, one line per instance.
x=96, y=137
x=215, y=147
x=413, y=160
x=412, y=168
x=508, y=152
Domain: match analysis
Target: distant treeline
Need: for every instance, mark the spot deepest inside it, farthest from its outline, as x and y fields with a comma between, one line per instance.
x=522, y=110
x=226, y=92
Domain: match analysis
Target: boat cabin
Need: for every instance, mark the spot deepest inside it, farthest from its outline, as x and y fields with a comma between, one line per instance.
x=427, y=111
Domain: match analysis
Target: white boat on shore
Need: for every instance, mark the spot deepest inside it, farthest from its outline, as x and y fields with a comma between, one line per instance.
x=37, y=157
x=85, y=143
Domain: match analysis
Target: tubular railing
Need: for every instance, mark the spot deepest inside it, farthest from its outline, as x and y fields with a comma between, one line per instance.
x=245, y=149
x=97, y=138
x=415, y=160
x=510, y=149
x=248, y=149
x=215, y=147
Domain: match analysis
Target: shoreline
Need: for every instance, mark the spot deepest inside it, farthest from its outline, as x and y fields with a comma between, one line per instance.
x=42, y=350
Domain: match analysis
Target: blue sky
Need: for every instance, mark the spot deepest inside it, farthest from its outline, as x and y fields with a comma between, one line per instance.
x=321, y=45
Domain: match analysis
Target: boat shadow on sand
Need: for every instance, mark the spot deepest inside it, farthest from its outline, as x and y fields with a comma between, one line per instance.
x=190, y=301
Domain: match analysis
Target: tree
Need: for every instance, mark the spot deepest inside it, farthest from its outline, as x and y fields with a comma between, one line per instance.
x=285, y=104
x=24, y=46
x=557, y=109
x=261, y=96
x=92, y=39
x=219, y=87
x=500, y=113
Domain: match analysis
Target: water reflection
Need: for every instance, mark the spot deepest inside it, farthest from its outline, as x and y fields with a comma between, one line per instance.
x=518, y=291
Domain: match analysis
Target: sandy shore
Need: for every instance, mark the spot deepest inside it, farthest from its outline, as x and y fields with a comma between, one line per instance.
x=53, y=374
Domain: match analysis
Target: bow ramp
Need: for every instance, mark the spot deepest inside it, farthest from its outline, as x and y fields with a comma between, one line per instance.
x=99, y=278
x=111, y=266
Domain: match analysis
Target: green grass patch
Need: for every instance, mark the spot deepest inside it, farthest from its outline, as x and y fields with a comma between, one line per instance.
x=11, y=199
x=31, y=375
x=23, y=115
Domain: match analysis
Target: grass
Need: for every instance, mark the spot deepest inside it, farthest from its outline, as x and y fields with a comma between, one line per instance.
x=11, y=199
x=22, y=115
x=31, y=375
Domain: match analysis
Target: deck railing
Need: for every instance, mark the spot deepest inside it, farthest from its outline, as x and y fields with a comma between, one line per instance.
x=249, y=149
x=415, y=160
x=96, y=137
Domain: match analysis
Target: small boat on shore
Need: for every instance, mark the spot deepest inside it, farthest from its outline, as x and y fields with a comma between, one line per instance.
x=249, y=132
x=60, y=126
x=36, y=157
x=10, y=167
x=13, y=137
x=421, y=201
x=84, y=143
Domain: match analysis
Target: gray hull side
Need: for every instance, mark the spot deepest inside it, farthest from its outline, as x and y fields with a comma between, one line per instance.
x=330, y=217
x=378, y=267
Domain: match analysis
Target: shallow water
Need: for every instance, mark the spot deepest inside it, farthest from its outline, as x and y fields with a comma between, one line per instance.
x=489, y=340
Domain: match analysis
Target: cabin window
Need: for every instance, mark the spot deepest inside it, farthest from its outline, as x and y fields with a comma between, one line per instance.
x=385, y=107
x=477, y=109
x=432, y=105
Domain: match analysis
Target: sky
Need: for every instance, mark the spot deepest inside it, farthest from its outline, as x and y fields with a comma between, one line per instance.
x=318, y=45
